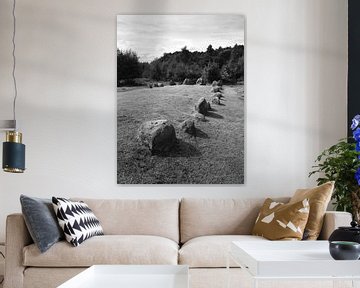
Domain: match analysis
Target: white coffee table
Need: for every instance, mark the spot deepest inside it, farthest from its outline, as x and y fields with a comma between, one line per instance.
x=131, y=276
x=292, y=260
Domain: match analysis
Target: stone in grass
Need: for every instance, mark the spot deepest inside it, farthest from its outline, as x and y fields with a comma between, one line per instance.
x=158, y=135
x=215, y=100
x=186, y=81
x=188, y=126
x=202, y=106
x=218, y=95
x=198, y=116
x=214, y=83
x=215, y=89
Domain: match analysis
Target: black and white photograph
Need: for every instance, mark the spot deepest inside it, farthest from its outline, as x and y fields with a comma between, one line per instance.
x=180, y=99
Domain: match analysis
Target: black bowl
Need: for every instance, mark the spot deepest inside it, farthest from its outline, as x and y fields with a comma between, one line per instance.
x=344, y=250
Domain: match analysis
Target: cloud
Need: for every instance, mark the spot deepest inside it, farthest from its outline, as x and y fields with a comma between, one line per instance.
x=153, y=35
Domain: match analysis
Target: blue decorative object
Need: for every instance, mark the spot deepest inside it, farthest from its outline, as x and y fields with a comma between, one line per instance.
x=356, y=134
x=355, y=122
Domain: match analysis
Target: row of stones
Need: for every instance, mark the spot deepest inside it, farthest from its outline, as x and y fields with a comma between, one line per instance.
x=160, y=136
x=199, y=81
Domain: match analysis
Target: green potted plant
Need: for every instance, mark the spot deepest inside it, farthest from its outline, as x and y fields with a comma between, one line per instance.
x=341, y=163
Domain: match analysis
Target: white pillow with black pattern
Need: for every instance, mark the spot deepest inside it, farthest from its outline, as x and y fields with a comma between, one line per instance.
x=76, y=220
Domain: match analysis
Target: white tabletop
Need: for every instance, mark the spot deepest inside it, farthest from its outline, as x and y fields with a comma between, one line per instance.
x=291, y=259
x=131, y=276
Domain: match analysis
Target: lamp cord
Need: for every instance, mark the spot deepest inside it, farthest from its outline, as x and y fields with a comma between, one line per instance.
x=14, y=61
x=2, y=280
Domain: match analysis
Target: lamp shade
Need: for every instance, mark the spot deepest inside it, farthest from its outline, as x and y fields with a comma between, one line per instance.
x=13, y=153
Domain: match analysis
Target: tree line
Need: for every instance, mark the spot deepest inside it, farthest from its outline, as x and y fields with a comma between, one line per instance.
x=226, y=64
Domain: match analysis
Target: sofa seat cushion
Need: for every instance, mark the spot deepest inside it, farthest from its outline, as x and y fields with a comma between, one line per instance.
x=206, y=217
x=107, y=249
x=158, y=217
x=211, y=251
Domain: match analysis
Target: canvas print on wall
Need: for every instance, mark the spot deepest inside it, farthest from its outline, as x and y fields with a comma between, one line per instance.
x=180, y=99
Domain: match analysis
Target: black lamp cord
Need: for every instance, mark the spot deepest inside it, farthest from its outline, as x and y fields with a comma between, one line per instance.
x=14, y=61
x=2, y=280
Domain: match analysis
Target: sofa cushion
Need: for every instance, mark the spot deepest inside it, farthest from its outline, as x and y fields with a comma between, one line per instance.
x=200, y=217
x=76, y=220
x=41, y=221
x=158, y=217
x=319, y=198
x=211, y=251
x=107, y=249
x=279, y=221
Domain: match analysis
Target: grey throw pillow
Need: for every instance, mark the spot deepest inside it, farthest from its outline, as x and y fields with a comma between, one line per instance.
x=41, y=221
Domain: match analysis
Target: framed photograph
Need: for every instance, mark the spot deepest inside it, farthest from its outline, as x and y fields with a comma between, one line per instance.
x=180, y=99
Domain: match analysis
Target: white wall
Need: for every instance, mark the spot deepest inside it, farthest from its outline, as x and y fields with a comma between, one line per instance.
x=295, y=94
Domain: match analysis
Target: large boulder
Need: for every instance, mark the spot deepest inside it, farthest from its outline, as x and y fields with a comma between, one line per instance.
x=202, y=106
x=188, y=126
x=158, y=135
x=186, y=81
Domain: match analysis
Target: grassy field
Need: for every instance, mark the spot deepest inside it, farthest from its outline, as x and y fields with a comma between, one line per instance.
x=214, y=156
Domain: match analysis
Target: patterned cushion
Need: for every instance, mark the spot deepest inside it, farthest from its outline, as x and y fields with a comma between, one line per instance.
x=279, y=221
x=319, y=198
x=77, y=220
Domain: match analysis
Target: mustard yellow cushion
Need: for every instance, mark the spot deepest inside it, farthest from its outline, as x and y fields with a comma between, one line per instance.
x=279, y=221
x=319, y=198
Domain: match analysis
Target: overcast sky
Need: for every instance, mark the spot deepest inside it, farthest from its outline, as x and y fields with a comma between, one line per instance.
x=150, y=36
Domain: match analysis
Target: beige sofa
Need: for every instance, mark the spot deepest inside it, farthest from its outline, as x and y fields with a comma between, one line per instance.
x=194, y=232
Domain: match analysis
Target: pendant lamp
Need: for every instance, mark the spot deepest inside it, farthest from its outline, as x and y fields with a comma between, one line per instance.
x=13, y=160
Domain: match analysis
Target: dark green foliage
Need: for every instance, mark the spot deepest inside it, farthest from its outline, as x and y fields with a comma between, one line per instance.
x=156, y=71
x=213, y=64
x=211, y=73
x=339, y=163
x=128, y=66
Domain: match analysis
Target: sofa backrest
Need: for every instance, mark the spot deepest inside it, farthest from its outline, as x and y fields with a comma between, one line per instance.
x=159, y=217
x=200, y=217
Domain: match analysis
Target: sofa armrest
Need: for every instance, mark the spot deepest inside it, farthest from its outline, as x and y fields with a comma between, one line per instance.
x=17, y=237
x=333, y=220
